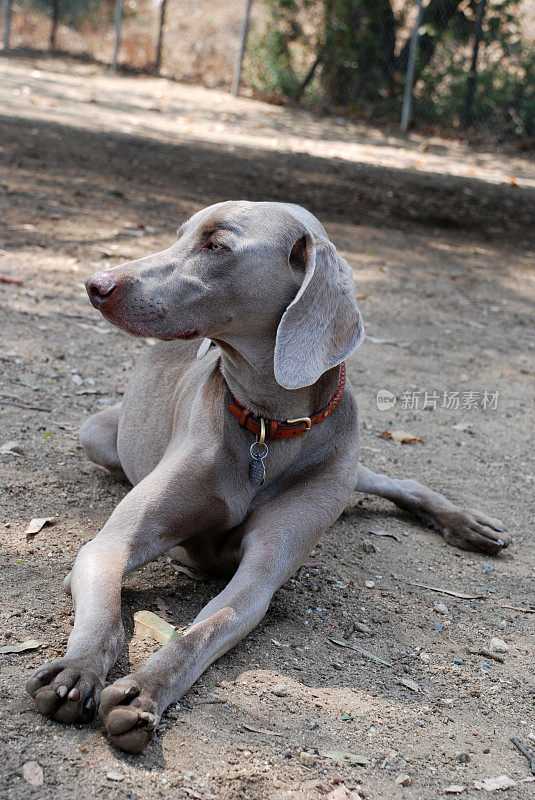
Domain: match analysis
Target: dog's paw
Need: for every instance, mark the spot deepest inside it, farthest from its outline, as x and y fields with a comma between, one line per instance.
x=129, y=714
x=469, y=529
x=66, y=690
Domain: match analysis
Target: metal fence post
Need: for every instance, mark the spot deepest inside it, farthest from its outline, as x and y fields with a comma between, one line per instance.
x=243, y=42
x=472, y=75
x=7, y=23
x=159, y=46
x=118, y=21
x=411, y=64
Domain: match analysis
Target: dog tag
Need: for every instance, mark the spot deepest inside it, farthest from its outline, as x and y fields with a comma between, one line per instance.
x=257, y=470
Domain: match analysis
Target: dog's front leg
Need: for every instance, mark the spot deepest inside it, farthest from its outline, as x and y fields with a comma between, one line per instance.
x=68, y=689
x=276, y=540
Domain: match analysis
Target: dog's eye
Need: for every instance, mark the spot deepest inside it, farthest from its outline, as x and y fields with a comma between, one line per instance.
x=214, y=246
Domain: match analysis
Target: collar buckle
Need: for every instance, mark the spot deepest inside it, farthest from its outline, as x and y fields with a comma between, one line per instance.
x=302, y=419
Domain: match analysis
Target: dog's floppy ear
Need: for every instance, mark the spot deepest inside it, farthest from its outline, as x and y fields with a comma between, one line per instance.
x=322, y=325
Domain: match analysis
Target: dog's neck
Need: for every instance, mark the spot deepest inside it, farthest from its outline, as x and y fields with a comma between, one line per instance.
x=249, y=374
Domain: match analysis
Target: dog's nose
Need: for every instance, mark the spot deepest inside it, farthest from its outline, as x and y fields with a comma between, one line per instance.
x=100, y=287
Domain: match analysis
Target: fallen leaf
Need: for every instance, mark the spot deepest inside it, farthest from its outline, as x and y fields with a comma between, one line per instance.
x=401, y=437
x=261, y=730
x=343, y=757
x=341, y=792
x=454, y=788
x=385, y=533
x=29, y=644
x=32, y=773
x=37, y=524
x=375, y=340
x=148, y=624
x=191, y=573
x=163, y=608
x=10, y=449
x=410, y=684
x=493, y=784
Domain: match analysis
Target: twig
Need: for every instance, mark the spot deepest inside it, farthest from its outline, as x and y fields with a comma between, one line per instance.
x=21, y=405
x=487, y=654
x=525, y=752
x=448, y=591
x=519, y=608
x=360, y=650
x=210, y=702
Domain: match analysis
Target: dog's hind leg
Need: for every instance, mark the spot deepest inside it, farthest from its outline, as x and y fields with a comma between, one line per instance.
x=98, y=436
x=462, y=527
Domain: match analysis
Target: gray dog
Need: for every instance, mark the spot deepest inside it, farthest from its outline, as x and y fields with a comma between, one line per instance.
x=239, y=459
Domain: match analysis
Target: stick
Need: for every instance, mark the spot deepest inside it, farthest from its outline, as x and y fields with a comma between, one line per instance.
x=21, y=405
x=487, y=654
x=525, y=752
x=448, y=591
x=361, y=651
x=519, y=608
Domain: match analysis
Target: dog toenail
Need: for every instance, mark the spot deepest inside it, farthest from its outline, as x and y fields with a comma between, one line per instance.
x=74, y=694
x=42, y=674
x=132, y=691
x=501, y=542
x=62, y=691
x=89, y=703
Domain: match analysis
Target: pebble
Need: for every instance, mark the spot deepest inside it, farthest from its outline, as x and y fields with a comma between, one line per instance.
x=369, y=584
x=115, y=776
x=446, y=702
x=502, y=624
x=441, y=608
x=308, y=759
x=368, y=546
x=403, y=780
x=458, y=661
x=463, y=758
x=280, y=690
x=498, y=645
x=361, y=627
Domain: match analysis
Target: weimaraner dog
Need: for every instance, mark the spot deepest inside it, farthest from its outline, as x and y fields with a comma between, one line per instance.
x=241, y=455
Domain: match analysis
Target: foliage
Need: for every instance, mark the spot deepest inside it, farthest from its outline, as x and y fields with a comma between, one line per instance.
x=76, y=13
x=359, y=50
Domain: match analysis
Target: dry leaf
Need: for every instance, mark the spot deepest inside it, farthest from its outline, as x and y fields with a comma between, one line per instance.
x=385, y=533
x=493, y=784
x=343, y=757
x=341, y=792
x=148, y=624
x=401, y=437
x=29, y=644
x=260, y=730
x=32, y=773
x=410, y=684
x=191, y=573
x=10, y=449
x=163, y=608
x=454, y=788
x=37, y=524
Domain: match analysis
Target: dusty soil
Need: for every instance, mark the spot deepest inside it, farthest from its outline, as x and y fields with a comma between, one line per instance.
x=93, y=173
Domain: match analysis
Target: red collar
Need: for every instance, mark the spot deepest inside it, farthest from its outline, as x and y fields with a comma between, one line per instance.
x=275, y=429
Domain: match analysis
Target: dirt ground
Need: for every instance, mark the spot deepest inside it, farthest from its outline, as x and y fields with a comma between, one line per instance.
x=97, y=169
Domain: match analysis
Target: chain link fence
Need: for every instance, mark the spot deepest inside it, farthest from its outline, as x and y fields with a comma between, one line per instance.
x=450, y=64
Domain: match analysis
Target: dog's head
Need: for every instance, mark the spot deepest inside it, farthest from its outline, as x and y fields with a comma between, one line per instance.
x=242, y=269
